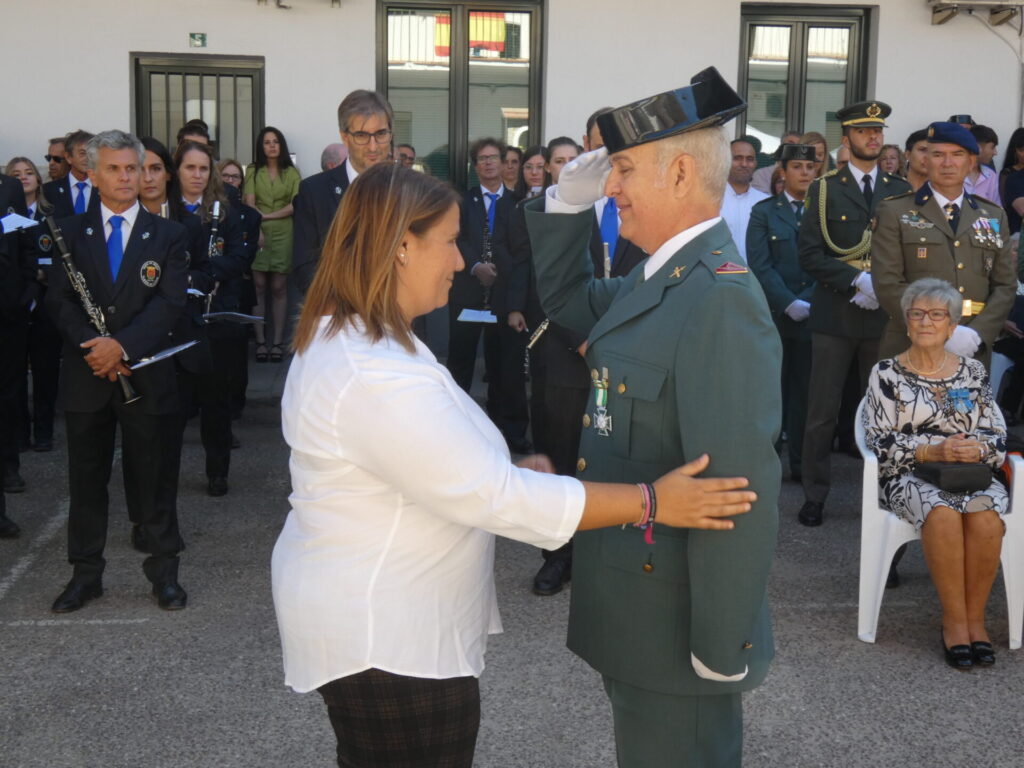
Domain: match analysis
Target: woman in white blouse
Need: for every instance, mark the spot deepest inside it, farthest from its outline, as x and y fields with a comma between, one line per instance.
x=382, y=575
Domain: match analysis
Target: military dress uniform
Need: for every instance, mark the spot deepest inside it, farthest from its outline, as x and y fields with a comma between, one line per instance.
x=834, y=247
x=683, y=361
x=969, y=248
x=772, y=255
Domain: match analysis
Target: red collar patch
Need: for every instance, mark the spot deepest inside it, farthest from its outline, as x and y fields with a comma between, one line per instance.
x=731, y=269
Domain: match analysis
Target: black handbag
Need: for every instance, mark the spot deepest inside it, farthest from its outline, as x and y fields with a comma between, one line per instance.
x=955, y=477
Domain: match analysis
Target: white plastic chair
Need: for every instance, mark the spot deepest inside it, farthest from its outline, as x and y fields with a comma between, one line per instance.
x=882, y=533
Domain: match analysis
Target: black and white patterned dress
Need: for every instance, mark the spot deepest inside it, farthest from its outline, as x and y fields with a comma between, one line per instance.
x=904, y=411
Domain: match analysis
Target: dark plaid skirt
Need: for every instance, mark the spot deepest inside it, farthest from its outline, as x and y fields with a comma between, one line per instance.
x=392, y=721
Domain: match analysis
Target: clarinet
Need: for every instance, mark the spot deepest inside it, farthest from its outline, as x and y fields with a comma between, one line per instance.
x=534, y=338
x=211, y=248
x=486, y=258
x=77, y=280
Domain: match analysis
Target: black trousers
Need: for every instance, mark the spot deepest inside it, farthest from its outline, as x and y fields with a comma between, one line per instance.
x=796, y=379
x=463, y=339
x=90, y=458
x=383, y=720
x=13, y=343
x=239, y=372
x=212, y=394
x=44, y=347
x=512, y=412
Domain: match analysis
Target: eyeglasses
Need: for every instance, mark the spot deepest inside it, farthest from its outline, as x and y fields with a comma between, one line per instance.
x=383, y=136
x=54, y=158
x=935, y=315
x=231, y=176
x=488, y=158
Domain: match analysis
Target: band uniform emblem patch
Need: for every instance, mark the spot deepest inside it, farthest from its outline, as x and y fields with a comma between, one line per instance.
x=45, y=243
x=150, y=274
x=730, y=268
x=219, y=247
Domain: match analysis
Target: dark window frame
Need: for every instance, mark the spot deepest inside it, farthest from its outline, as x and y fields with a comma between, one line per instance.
x=458, y=74
x=857, y=17
x=143, y=63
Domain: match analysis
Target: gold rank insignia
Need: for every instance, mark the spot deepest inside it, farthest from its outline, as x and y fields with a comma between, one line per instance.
x=678, y=271
x=874, y=110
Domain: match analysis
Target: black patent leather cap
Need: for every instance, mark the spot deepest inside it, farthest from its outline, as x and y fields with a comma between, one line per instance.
x=708, y=100
x=798, y=152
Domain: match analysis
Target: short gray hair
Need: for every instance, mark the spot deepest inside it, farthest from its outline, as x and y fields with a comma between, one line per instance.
x=333, y=153
x=710, y=147
x=113, y=139
x=933, y=289
x=364, y=104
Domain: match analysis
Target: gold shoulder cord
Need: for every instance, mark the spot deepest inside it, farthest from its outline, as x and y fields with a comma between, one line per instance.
x=860, y=251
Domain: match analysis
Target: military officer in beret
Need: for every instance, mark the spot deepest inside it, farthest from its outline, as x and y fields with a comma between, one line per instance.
x=772, y=255
x=845, y=320
x=944, y=231
x=685, y=365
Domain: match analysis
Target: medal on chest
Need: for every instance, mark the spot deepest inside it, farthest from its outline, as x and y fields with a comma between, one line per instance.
x=986, y=234
x=602, y=419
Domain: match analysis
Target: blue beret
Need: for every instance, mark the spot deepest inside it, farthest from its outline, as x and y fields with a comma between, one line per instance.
x=952, y=133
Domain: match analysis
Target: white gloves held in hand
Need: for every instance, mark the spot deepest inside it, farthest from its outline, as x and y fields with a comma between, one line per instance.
x=865, y=296
x=798, y=311
x=964, y=341
x=581, y=182
x=864, y=301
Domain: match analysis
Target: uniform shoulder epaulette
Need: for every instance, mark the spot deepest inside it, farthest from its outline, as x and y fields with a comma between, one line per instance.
x=833, y=172
x=981, y=199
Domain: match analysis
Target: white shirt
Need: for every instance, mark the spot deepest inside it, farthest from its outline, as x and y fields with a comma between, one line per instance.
x=126, y=226
x=858, y=176
x=399, y=483
x=669, y=248
x=736, y=212
x=86, y=190
x=943, y=201
x=351, y=172
x=484, y=192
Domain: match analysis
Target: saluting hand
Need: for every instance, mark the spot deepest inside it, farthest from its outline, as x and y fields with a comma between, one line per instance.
x=104, y=355
x=686, y=501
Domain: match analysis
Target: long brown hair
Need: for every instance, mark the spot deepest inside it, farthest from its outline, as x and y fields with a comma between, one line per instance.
x=356, y=276
x=214, y=187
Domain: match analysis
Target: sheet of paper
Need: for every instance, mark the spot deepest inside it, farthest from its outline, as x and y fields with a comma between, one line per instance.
x=12, y=222
x=476, y=316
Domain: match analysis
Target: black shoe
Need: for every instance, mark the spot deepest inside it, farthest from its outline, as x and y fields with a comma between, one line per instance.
x=893, y=579
x=959, y=656
x=43, y=446
x=217, y=486
x=76, y=594
x=983, y=653
x=13, y=481
x=520, y=445
x=139, y=540
x=811, y=513
x=8, y=528
x=235, y=442
x=170, y=596
x=552, y=576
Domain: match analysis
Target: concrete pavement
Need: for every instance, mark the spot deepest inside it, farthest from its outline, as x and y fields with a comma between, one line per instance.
x=122, y=683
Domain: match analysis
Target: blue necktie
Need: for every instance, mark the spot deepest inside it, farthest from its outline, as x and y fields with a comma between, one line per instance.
x=610, y=227
x=191, y=207
x=80, y=201
x=493, y=197
x=115, y=247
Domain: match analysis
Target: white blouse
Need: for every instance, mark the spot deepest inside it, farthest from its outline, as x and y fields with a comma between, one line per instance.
x=399, y=483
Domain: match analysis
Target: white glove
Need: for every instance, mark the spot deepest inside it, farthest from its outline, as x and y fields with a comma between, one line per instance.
x=864, y=301
x=964, y=341
x=582, y=181
x=864, y=285
x=798, y=311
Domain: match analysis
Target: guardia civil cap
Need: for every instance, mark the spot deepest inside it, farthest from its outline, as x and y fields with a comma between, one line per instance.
x=953, y=133
x=864, y=114
x=798, y=152
x=708, y=100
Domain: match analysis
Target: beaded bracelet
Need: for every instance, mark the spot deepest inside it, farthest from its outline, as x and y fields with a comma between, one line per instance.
x=650, y=507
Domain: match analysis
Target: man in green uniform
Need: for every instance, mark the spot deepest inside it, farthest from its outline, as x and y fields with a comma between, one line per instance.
x=685, y=361
x=943, y=231
x=845, y=321
x=772, y=254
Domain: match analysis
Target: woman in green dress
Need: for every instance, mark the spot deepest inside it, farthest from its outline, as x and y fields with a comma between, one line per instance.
x=271, y=184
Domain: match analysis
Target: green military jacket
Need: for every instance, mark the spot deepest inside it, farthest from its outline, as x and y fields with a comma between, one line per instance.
x=692, y=362
x=847, y=217
x=913, y=239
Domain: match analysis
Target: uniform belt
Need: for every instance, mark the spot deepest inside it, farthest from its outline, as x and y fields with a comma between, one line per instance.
x=972, y=308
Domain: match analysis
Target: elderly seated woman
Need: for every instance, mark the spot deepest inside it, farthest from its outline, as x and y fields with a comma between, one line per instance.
x=929, y=405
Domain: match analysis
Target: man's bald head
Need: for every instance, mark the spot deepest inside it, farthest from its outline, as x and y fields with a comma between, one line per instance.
x=333, y=156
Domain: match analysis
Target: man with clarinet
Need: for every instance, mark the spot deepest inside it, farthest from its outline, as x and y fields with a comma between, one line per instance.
x=120, y=293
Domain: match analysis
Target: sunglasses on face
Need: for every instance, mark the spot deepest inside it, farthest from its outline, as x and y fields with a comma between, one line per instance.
x=54, y=158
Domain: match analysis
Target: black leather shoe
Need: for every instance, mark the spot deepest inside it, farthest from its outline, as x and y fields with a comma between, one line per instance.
x=983, y=653
x=959, y=656
x=138, y=540
x=76, y=594
x=217, y=486
x=170, y=596
x=552, y=576
x=8, y=528
x=811, y=513
x=13, y=482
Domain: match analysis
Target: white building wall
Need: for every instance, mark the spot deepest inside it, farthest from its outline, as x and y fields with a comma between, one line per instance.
x=76, y=71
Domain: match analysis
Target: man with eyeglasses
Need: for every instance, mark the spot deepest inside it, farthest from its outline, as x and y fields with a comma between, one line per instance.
x=944, y=231
x=56, y=159
x=365, y=121
x=74, y=193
